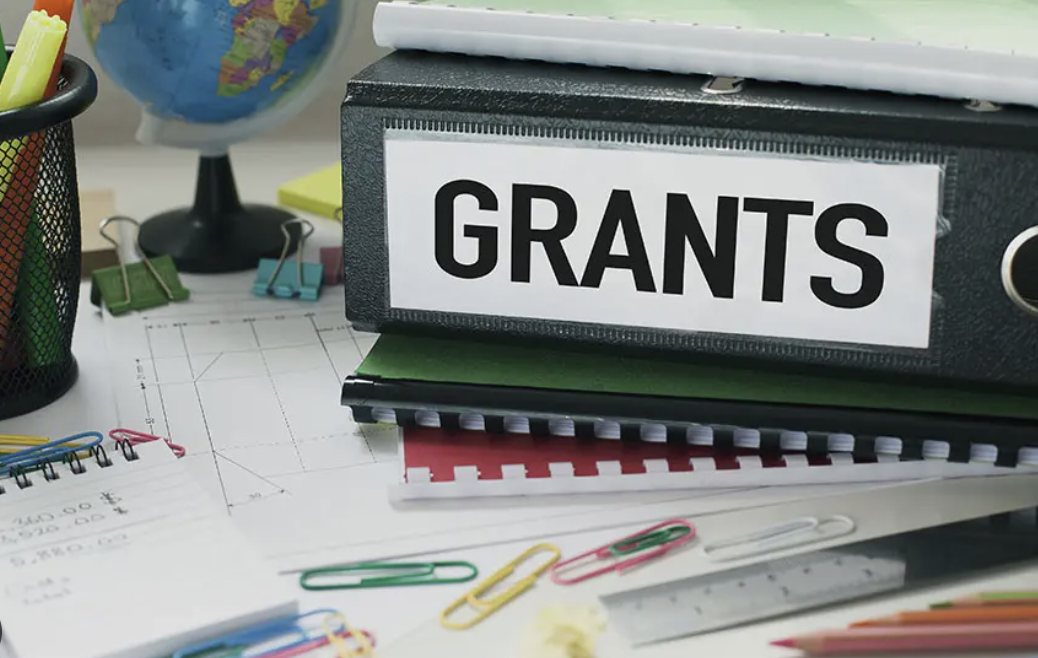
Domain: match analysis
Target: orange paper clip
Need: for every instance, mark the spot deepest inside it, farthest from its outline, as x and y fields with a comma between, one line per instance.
x=643, y=546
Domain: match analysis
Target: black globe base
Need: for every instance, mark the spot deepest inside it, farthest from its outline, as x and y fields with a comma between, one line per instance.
x=218, y=234
x=235, y=244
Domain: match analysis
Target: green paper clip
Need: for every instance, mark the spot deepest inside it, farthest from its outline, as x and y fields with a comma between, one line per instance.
x=137, y=286
x=400, y=575
x=648, y=540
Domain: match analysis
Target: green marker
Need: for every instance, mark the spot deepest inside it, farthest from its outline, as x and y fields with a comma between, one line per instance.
x=3, y=54
x=37, y=302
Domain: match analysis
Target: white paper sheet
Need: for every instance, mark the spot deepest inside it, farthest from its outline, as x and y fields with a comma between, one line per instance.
x=876, y=514
x=250, y=386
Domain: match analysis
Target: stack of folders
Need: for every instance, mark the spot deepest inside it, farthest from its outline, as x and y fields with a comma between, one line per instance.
x=599, y=267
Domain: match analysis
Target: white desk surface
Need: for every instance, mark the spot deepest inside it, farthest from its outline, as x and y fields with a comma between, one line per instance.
x=148, y=180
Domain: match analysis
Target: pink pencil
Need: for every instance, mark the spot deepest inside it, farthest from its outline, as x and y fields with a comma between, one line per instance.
x=945, y=638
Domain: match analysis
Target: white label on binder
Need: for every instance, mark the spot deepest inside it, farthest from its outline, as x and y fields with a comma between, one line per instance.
x=705, y=241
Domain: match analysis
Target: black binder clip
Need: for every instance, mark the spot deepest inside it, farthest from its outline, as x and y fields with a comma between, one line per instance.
x=304, y=281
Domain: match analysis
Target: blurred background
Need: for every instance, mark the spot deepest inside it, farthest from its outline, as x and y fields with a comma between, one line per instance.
x=113, y=119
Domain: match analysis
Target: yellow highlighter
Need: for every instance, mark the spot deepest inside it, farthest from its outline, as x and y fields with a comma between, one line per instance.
x=28, y=73
x=32, y=61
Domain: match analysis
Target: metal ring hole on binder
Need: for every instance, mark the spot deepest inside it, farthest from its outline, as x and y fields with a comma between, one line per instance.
x=982, y=106
x=1020, y=271
x=723, y=85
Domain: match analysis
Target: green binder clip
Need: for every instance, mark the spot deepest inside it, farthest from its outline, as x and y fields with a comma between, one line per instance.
x=138, y=286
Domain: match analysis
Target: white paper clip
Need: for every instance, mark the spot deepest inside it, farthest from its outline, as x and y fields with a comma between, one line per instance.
x=799, y=532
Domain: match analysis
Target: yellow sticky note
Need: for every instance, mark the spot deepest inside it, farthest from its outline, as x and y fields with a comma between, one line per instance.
x=319, y=193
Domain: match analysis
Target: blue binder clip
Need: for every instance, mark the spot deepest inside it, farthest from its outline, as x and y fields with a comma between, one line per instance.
x=303, y=281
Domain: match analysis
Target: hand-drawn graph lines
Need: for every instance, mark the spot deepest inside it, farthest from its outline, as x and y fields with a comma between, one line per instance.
x=251, y=392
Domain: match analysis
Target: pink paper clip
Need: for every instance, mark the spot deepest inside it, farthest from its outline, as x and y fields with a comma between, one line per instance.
x=134, y=438
x=643, y=546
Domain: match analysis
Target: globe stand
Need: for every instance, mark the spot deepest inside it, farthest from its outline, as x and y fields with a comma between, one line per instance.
x=217, y=234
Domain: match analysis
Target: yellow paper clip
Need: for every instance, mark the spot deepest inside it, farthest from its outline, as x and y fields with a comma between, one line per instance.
x=342, y=649
x=487, y=606
x=12, y=443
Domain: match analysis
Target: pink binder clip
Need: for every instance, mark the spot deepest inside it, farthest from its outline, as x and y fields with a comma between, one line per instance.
x=332, y=260
x=133, y=438
x=643, y=546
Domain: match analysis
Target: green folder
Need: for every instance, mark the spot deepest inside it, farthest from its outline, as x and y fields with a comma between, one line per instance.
x=460, y=361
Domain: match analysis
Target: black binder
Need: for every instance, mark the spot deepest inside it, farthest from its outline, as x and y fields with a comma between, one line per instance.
x=886, y=235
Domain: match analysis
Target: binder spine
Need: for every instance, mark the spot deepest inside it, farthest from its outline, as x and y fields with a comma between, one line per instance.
x=795, y=445
x=25, y=477
x=370, y=308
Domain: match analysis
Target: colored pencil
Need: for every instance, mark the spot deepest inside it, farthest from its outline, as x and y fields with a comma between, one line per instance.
x=947, y=638
x=1022, y=597
x=1000, y=614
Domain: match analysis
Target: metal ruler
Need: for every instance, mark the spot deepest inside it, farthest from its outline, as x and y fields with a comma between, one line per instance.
x=773, y=588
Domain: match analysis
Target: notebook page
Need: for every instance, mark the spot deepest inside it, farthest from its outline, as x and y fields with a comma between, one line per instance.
x=999, y=26
x=129, y=561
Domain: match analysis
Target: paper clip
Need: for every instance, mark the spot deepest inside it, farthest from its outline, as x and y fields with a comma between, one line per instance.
x=282, y=638
x=11, y=443
x=486, y=607
x=304, y=282
x=51, y=451
x=339, y=642
x=148, y=284
x=414, y=573
x=655, y=542
x=305, y=648
x=134, y=438
x=798, y=532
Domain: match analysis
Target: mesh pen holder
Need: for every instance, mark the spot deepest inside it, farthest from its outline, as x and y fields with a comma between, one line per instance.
x=40, y=248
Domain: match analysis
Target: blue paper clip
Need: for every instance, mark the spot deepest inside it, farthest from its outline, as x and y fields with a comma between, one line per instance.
x=273, y=638
x=273, y=279
x=51, y=451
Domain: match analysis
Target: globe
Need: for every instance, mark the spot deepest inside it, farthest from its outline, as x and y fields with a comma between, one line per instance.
x=209, y=74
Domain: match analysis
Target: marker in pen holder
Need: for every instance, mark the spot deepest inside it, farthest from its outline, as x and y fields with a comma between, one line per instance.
x=40, y=249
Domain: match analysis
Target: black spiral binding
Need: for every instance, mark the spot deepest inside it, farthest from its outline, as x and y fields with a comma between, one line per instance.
x=129, y=453
x=723, y=436
x=20, y=474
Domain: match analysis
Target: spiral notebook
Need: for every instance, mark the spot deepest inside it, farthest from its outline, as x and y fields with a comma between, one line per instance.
x=960, y=49
x=123, y=555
